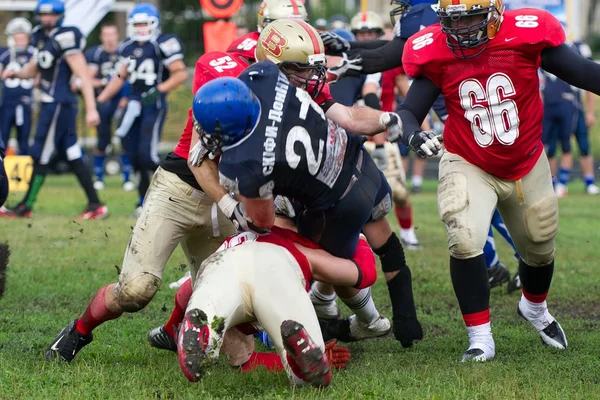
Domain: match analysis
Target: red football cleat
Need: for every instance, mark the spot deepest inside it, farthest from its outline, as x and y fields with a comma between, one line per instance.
x=192, y=345
x=20, y=211
x=94, y=211
x=306, y=359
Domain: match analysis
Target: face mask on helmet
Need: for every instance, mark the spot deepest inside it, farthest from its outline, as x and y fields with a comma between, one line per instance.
x=143, y=23
x=310, y=77
x=399, y=8
x=469, y=30
x=49, y=13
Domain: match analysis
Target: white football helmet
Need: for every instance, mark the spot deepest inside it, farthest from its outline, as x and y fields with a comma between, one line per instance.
x=14, y=26
x=143, y=23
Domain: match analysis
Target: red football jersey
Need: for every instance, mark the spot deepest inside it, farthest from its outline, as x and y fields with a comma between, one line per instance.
x=208, y=67
x=494, y=106
x=245, y=45
x=388, y=84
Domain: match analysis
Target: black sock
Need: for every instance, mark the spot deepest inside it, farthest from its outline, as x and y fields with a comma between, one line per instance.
x=471, y=284
x=536, y=280
x=3, y=181
x=37, y=180
x=85, y=180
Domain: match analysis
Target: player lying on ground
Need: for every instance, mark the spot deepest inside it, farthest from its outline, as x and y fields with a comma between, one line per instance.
x=339, y=185
x=267, y=281
x=494, y=155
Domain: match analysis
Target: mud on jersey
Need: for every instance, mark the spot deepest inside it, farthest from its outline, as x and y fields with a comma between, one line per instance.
x=15, y=90
x=293, y=150
x=148, y=62
x=50, y=53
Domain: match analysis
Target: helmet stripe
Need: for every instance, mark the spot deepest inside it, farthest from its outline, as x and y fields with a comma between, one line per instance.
x=309, y=29
x=295, y=7
x=455, y=2
x=363, y=17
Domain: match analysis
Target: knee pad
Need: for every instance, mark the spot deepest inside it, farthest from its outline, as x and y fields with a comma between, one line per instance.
x=541, y=220
x=382, y=208
x=453, y=198
x=134, y=292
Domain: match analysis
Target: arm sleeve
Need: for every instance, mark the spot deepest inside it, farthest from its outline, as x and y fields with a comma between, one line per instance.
x=572, y=68
x=419, y=99
x=382, y=58
x=368, y=44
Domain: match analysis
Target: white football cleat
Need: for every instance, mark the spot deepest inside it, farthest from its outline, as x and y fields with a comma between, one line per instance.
x=409, y=239
x=479, y=352
x=560, y=190
x=128, y=186
x=359, y=330
x=99, y=185
x=545, y=324
x=592, y=190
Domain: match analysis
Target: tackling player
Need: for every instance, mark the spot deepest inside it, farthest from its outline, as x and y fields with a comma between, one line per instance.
x=15, y=105
x=494, y=155
x=102, y=62
x=58, y=55
x=333, y=182
x=153, y=63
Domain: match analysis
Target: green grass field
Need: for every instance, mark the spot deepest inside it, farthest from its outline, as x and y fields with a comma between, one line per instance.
x=58, y=263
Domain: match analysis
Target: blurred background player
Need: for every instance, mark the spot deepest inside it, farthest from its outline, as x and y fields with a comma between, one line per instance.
x=15, y=105
x=367, y=26
x=59, y=54
x=102, y=61
x=3, y=177
x=153, y=63
x=563, y=116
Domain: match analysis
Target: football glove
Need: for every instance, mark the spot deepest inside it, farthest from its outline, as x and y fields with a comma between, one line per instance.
x=149, y=97
x=348, y=66
x=379, y=155
x=197, y=154
x=393, y=124
x=337, y=356
x=424, y=143
x=334, y=43
x=236, y=213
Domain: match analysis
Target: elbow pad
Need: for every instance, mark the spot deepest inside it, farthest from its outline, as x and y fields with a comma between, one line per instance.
x=364, y=259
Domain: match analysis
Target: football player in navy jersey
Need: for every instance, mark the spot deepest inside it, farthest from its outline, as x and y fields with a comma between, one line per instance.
x=153, y=63
x=261, y=124
x=102, y=61
x=58, y=55
x=15, y=106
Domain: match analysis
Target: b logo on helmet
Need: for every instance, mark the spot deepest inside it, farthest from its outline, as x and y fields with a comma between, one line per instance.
x=274, y=42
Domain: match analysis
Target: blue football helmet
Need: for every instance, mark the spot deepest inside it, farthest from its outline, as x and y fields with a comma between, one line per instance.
x=400, y=7
x=224, y=110
x=344, y=34
x=50, y=7
x=143, y=23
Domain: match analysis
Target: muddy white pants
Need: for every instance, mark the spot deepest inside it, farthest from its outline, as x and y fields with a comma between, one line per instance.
x=253, y=282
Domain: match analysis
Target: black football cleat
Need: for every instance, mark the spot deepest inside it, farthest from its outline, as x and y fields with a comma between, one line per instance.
x=67, y=344
x=160, y=339
x=498, y=274
x=514, y=284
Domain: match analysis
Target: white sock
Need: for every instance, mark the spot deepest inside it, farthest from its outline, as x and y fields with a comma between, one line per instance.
x=363, y=306
x=404, y=232
x=320, y=297
x=417, y=180
x=536, y=313
x=480, y=337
